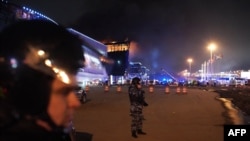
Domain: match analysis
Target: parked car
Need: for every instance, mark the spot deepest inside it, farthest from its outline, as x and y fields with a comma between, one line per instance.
x=81, y=94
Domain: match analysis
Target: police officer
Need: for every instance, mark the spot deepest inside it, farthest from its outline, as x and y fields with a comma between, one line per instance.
x=38, y=61
x=137, y=101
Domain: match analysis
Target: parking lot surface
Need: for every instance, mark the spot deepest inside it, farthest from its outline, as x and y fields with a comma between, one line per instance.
x=196, y=115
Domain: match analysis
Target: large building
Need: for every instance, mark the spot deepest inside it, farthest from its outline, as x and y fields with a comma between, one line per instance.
x=119, y=52
x=94, y=71
x=136, y=69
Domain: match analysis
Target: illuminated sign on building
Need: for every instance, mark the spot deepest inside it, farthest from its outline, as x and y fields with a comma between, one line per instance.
x=119, y=52
x=117, y=46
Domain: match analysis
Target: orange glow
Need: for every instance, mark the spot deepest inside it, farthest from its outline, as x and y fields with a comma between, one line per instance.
x=134, y=49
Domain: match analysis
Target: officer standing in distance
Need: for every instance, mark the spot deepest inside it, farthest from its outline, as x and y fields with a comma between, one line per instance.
x=137, y=101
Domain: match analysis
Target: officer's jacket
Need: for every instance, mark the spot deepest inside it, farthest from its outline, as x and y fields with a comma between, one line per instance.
x=136, y=96
x=15, y=128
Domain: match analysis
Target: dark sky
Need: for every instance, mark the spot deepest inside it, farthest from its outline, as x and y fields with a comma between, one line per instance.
x=166, y=32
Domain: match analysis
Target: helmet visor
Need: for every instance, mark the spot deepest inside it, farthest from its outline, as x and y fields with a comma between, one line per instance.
x=40, y=60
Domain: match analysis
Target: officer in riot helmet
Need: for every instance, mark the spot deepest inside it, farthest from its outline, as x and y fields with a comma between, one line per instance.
x=137, y=102
x=38, y=65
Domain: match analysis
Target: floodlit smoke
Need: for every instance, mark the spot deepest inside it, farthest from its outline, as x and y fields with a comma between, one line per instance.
x=134, y=49
x=155, y=58
x=177, y=30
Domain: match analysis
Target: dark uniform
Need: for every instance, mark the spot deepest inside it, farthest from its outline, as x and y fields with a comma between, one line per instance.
x=137, y=102
x=16, y=127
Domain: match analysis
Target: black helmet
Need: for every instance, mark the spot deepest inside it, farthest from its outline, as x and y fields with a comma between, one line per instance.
x=136, y=80
x=32, y=54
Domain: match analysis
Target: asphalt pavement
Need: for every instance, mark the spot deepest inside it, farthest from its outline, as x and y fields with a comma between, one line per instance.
x=196, y=115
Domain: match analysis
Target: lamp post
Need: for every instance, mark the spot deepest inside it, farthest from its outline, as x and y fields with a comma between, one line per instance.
x=211, y=47
x=189, y=60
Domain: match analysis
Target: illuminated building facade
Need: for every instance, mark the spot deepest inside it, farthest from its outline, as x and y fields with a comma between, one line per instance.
x=94, y=72
x=136, y=69
x=119, y=52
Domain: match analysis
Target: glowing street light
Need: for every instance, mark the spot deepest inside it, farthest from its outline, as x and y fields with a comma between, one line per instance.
x=190, y=60
x=211, y=47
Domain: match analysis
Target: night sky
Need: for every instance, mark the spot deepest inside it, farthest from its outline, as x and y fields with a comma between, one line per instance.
x=164, y=33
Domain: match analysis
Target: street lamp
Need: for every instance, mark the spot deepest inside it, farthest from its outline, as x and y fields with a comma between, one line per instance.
x=190, y=60
x=211, y=47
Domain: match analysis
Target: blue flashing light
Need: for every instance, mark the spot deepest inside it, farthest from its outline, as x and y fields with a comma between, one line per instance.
x=35, y=12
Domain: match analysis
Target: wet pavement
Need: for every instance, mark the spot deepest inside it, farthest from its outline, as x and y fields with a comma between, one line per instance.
x=197, y=115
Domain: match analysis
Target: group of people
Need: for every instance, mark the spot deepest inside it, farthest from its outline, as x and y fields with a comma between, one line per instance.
x=39, y=61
